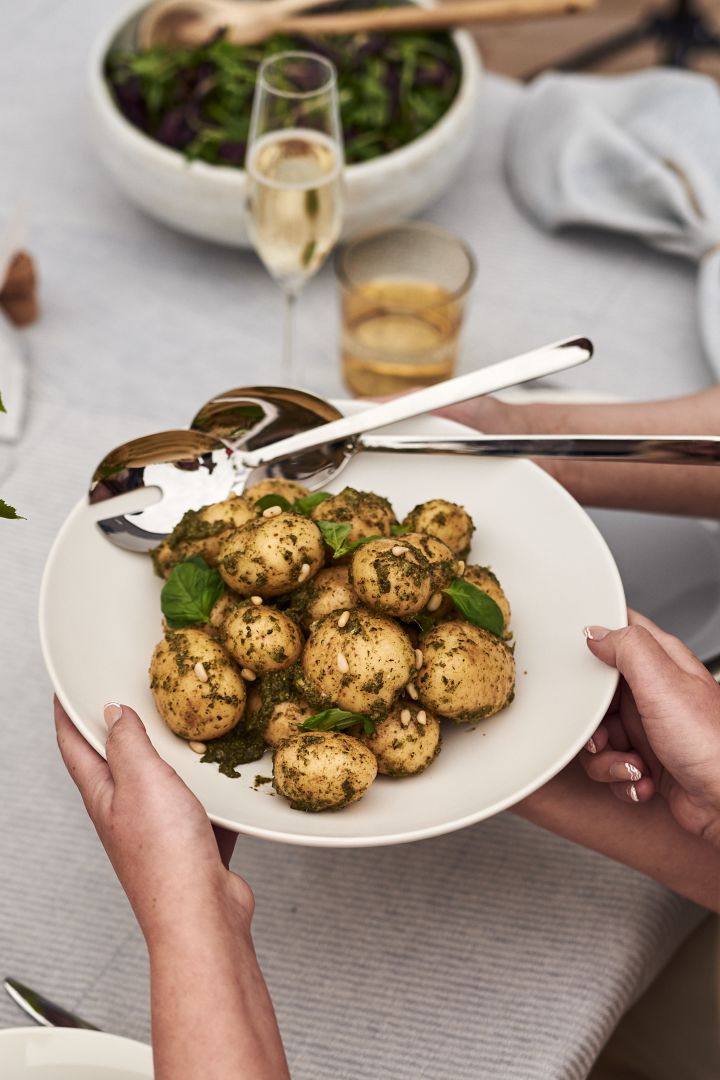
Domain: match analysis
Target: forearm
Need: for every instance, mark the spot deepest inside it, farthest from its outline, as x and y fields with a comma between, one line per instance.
x=212, y=1017
x=690, y=490
x=645, y=837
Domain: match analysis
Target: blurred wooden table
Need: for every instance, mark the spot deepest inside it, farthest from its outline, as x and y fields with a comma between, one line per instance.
x=518, y=48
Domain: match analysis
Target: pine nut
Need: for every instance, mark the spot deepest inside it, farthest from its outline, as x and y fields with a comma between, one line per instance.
x=419, y=658
x=304, y=571
x=200, y=671
x=197, y=747
x=460, y=568
x=399, y=550
x=343, y=620
x=405, y=717
x=412, y=692
x=434, y=602
x=248, y=674
x=421, y=718
x=256, y=600
x=342, y=664
x=272, y=511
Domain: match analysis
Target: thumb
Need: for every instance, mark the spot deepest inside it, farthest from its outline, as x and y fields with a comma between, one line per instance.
x=131, y=756
x=654, y=678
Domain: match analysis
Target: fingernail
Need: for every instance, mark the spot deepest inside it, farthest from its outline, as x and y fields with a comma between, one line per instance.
x=632, y=792
x=591, y=747
x=623, y=770
x=112, y=713
x=595, y=633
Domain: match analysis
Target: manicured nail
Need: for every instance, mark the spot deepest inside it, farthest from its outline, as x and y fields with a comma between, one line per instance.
x=112, y=713
x=595, y=633
x=623, y=770
x=591, y=747
x=632, y=792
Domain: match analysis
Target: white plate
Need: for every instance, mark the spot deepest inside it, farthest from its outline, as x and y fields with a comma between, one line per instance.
x=39, y=1053
x=100, y=619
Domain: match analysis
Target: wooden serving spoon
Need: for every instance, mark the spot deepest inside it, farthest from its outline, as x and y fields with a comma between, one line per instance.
x=192, y=22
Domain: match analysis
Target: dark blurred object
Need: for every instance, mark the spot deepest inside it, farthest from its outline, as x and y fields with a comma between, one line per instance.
x=18, y=293
x=680, y=30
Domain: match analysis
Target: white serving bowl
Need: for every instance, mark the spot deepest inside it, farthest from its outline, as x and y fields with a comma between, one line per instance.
x=209, y=200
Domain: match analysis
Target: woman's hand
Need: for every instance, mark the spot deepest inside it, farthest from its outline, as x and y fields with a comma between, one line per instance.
x=155, y=832
x=661, y=735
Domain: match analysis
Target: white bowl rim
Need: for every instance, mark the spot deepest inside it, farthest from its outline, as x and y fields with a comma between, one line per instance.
x=404, y=156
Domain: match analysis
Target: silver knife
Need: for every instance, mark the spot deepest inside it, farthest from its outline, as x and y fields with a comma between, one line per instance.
x=41, y=1010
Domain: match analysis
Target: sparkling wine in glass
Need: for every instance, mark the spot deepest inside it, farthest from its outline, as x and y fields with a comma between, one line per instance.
x=294, y=171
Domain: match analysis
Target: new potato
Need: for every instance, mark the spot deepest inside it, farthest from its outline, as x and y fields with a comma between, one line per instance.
x=330, y=590
x=261, y=638
x=361, y=666
x=267, y=556
x=322, y=770
x=446, y=520
x=201, y=532
x=391, y=577
x=467, y=673
x=191, y=706
x=405, y=749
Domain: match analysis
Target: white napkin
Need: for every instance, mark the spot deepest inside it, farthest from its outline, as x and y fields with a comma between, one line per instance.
x=639, y=154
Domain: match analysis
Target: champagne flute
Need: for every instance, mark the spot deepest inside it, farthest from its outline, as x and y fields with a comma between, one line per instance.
x=294, y=168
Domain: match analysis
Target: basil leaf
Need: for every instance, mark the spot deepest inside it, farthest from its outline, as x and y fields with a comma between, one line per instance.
x=400, y=530
x=266, y=501
x=337, y=720
x=424, y=622
x=334, y=534
x=2, y=407
x=477, y=607
x=190, y=593
x=7, y=511
x=308, y=503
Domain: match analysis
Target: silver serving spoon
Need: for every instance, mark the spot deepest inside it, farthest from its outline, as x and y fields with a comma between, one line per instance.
x=160, y=477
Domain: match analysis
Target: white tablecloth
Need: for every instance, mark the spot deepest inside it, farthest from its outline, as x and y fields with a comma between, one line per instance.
x=498, y=952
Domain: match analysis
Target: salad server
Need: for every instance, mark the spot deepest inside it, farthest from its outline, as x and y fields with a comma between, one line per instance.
x=161, y=476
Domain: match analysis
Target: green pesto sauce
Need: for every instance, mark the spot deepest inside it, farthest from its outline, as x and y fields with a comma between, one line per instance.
x=276, y=687
x=193, y=527
x=239, y=746
x=260, y=780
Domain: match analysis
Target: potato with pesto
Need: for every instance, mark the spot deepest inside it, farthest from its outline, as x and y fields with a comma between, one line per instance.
x=483, y=578
x=260, y=638
x=201, y=532
x=287, y=489
x=329, y=590
x=322, y=770
x=467, y=673
x=283, y=720
x=406, y=741
x=443, y=564
x=221, y=609
x=391, y=577
x=366, y=513
x=198, y=691
x=271, y=555
x=358, y=661
x=447, y=521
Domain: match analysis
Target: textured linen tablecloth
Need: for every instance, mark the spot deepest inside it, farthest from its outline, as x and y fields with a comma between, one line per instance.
x=498, y=952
